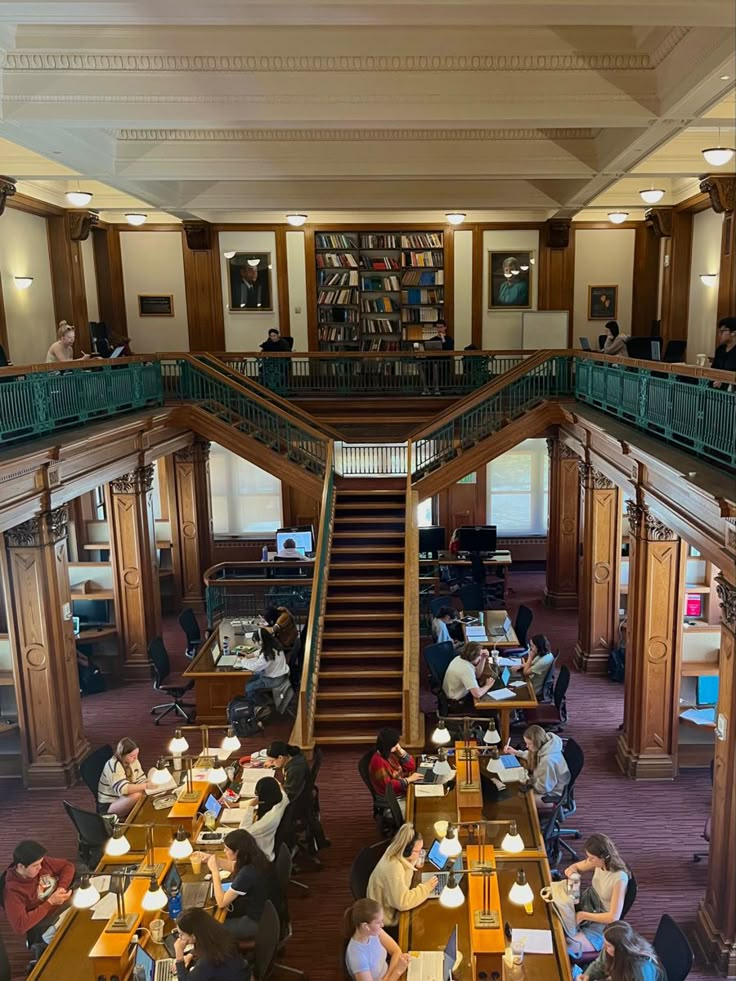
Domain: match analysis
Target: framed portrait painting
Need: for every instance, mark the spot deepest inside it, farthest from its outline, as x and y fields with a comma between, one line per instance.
x=251, y=289
x=510, y=280
x=602, y=302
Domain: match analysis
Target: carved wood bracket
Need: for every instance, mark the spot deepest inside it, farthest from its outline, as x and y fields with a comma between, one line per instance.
x=721, y=191
x=660, y=221
x=47, y=528
x=593, y=479
x=81, y=224
x=558, y=232
x=646, y=526
x=727, y=595
x=196, y=452
x=138, y=481
x=7, y=190
x=563, y=450
x=198, y=235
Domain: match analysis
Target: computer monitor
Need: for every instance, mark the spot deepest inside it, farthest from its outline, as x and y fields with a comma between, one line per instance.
x=302, y=536
x=706, y=690
x=431, y=540
x=584, y=343
x=476, y=538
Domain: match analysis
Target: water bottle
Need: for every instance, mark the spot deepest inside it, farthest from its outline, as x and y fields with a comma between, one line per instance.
x=573, y=887
x=225, y=646
x=494, y=659
x=174, y=903
x=264, y=554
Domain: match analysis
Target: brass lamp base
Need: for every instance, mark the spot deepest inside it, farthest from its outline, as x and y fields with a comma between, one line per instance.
x=145, y=869
x=122, y=924
x=486, y=921
x=467, y=788
x=188, y=798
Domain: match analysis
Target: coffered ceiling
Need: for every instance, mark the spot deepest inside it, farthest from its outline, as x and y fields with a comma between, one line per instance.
x=243, y=110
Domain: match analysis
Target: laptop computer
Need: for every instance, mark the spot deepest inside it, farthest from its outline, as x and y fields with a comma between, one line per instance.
x=585, y=343
x=117, y=351
x=163, y=970
x=503, y=630
x=434, y=965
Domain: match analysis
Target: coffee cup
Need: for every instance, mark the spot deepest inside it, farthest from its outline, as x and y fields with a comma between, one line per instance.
x=196, y=859
x=157, y=930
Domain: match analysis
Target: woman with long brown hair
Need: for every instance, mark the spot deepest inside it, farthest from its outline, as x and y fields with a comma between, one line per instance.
x=625, y=957
x=122, y=781
x=371, y=954
x=548, y=772
x=253, y=882
x=603, y=903
x=215, y=957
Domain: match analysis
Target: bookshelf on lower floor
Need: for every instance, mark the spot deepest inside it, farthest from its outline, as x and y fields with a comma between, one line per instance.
x=376, y=290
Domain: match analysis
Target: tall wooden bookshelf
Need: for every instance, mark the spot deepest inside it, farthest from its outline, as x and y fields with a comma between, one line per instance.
x=377, y=289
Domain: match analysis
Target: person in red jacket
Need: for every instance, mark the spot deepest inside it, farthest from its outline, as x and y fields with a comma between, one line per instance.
x=35, y=890
x=390, y=764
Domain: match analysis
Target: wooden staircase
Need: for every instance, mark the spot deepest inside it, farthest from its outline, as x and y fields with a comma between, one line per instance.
x=362, y=650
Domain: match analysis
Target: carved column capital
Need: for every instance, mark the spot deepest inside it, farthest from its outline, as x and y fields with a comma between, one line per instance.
x=721, y=190
x=139, y=481
x=660, y=221
x=593, y=479
x=558, y=232
x=563, y=450
x=727, y=596
x=646, y=526
x=198, y=235
x=7, y=190
x=81, y=223
x=46, y=528
x=196, y=452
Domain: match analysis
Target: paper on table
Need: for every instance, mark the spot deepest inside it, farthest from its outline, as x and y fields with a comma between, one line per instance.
x=517, y=684
x=508, y=662
x=430, y=790
x=105, y=908
x=701, y=717
x=535, y=941
x=101, y=883
x=476, y=633
x=499, y=695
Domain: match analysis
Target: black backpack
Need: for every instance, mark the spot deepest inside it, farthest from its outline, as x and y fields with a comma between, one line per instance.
x=617, y=664
x=241, y=716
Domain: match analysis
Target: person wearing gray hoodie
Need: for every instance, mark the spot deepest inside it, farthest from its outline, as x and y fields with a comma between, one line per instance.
x=548, y=772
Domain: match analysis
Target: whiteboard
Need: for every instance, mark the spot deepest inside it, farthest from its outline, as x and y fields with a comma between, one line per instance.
x=542, y=329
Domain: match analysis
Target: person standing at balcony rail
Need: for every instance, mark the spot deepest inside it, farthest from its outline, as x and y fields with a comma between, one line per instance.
x=615, y=344
x=725, y=357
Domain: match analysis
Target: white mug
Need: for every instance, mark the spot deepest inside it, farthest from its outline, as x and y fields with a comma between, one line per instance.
x=157, y=931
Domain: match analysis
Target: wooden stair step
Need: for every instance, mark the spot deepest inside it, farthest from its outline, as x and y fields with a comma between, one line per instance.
x=361, y=634
x=368, y=581
x=370, y=492
x=360, y=616
x=336, y=674
x=372, y=533
x=364, y=598
x=366, y=520
x=364, y=694
x=375, y=549
x=360, y=564
x=354, y=716
x=364, y=654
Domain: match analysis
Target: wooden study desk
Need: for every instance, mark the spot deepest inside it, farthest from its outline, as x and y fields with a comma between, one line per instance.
x=500, y=564
x=523, y=698
x=493, y=619
x=428, y=927
x=214, y=686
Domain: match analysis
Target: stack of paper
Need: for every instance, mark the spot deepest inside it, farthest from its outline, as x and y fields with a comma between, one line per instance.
x=476, y=634
x=250, y=777
x=500, y=694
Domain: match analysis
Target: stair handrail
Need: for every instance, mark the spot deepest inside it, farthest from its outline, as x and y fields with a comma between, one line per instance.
x=295, y=411
x=412, y=718
x=303, y=732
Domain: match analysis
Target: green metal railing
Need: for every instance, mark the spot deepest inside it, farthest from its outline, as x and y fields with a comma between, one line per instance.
x=685, y=410
x=550, y=379
x=35, y=401
x=248, y=595
x=185, y=380
x=364, y=373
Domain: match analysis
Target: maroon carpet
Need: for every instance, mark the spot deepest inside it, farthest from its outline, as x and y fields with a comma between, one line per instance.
x=657, y=826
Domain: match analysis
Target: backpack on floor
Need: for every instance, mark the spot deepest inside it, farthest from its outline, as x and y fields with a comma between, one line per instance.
x=242, y=717
x=617, y=664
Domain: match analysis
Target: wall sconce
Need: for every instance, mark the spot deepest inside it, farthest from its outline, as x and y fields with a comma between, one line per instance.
x=709, y=279
x=229, y=254
x=23, y=282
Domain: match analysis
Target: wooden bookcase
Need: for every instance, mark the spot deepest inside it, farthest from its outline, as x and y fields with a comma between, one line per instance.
x=377, y=289
x=11, y=758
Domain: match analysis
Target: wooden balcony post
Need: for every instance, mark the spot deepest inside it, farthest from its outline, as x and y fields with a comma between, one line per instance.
x=190, y=516
x=601, y=515
x=647, y=747
x=42, y=640
x=563, y=539
x=715, y=924
x=135, y=570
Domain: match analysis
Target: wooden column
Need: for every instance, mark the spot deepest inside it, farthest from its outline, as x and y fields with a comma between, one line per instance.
x=203, y=287
x=676, y=276
x=110, y=286
x=646, y=280
x=647, y=747
x=563, y=539
x=133, y=557
x=715, y=925
x=190, y=516
x=50, y=712
x=601, y=516
x=65, y=234
x=721, y=190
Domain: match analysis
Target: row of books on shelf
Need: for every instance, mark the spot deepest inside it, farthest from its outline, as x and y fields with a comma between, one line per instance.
x=408, y=260
x=328, y=278
x=422, y=315
x=336, y=333
x=334, y=260
x=421, y=259
x=337, y=315
x=379, y=304
x=338, y=296
x=415, y=296
x=380, y=325
x=430, y=277
x=378, y=240
x=385, y=282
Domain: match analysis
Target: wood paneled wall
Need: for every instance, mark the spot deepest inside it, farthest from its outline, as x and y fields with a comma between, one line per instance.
x=645, y=293
x=204, y=297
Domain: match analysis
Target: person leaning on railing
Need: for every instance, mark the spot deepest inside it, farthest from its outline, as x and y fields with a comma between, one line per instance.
x=725, y=357
x=63, y=347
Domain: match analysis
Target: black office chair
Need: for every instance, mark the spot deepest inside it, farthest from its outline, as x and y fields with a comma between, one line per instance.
x=673, y=949
x=294, y=660
x=286, y=834
x=553, y=828
x=523, y=622
x=283, y=865
x=310, y=835
x=362, y=868
x=675, y=352
x=379, y=804
x=190, y=626
x=471, y=596
x=158, y=658
x=5, y=973
x=267, y=943
x=438, y=602
x=553, y=715
x=397, y=815
x=437, y=657
x=93, y=833
x=91, y=767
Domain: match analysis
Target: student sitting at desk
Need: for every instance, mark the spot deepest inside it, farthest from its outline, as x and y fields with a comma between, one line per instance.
x=371, y=954
x=289, y=551
x=465, y=673
x=625, y=954
x=216, y=956
x=391, y=764
x=282, y=625
x=269, y=668
x=440, y=622
x=548, y=772
x=535, y=666
x=34, y=889
x=253, y=882
x=603, y=903
x=390, y=881
x=292, y=763
x=122, y=781
x=263, y=814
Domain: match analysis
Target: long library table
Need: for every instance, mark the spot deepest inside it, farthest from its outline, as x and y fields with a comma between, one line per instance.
x=523, y=698
x=214, y=685
x=499, y=564
x=429, y=926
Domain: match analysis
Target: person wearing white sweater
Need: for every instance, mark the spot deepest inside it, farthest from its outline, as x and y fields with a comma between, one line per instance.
x=548, y=772
x=390, y=882
x=615, y=343
x=263, y=814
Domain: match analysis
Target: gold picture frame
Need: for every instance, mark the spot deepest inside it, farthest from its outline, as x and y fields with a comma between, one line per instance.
x=155, y=305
